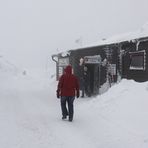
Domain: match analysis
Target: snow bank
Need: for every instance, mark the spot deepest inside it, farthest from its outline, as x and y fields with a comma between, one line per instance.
x=30, y=115
x=118, y=118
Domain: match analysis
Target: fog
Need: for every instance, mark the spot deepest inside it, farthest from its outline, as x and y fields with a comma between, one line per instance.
x=31, y=30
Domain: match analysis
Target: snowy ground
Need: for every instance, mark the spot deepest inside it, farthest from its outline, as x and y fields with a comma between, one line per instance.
x=30, y=116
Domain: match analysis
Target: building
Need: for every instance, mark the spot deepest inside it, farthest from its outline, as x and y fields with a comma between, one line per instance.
x=107, y=63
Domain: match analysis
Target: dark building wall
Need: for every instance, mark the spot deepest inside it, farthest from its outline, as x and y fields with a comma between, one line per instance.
x=118, y=54
x=113, y=58
x=127, y=47
x=137, y=75
x=106, y=52
x=81, y=53
x=114, y=49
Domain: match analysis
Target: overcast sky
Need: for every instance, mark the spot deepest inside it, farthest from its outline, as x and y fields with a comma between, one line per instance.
x=31, y=29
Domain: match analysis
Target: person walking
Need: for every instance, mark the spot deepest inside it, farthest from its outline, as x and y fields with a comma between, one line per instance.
x=86, y=83
x=67, y=89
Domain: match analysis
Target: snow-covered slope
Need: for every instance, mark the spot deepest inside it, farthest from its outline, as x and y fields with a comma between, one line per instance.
x=118, y=118
x=30, y=116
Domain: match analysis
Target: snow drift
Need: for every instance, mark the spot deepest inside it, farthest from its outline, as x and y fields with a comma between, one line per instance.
x=118, y=118
x=30, y=116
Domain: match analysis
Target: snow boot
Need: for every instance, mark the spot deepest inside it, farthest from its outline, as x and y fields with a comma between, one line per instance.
x=70, y=119
x=64, y=117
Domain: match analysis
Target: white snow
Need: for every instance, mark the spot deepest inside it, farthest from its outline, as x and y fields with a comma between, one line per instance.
x=141, y=33
x=129, y=36
x=30, y=115
x=6, y=67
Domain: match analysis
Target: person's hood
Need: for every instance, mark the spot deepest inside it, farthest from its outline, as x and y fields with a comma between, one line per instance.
x=68, y=70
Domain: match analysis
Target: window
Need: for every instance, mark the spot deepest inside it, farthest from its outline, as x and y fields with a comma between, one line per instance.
x=137, y=60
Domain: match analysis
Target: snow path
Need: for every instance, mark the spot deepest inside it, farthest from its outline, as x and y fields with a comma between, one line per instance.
x=30, y=117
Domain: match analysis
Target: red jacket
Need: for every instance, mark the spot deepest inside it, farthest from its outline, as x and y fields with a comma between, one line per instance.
x=68, y=84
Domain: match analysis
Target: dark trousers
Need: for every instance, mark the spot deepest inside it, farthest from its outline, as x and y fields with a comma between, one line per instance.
x=86, y=90
x=70, y=111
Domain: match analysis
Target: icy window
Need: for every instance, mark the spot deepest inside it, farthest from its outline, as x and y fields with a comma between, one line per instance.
x=137, y=60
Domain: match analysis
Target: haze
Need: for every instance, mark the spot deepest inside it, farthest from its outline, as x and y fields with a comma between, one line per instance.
x=31, y=30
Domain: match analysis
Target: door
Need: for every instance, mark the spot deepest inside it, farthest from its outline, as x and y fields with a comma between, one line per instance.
x=93, y=78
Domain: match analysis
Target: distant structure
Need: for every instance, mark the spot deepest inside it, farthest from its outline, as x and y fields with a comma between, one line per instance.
x=107, y=63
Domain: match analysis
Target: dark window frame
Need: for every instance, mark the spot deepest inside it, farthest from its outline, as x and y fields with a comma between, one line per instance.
x=133, y=60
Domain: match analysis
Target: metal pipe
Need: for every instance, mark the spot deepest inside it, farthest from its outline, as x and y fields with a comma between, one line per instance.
x=53, y=58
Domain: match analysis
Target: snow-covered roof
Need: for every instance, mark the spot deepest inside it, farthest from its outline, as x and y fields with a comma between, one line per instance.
x=141, y=33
